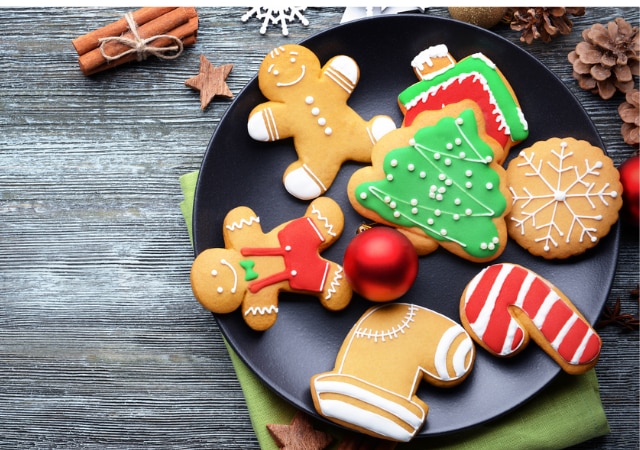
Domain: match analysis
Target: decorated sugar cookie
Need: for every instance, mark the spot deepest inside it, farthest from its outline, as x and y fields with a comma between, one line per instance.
x=386, y=355
x=308, y=102
x=437, y=182
x=254, y=267
x=506, y=305
x=566, y=196
x=445, y=81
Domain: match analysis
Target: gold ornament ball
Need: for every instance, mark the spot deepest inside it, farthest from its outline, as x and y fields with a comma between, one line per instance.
x=485, y=17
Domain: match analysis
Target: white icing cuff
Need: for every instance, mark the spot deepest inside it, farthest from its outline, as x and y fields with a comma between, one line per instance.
x=354, y=401
x=347, y=67
x=303, y=184
x=425, y=56
x=257, y=127
x=381, y=126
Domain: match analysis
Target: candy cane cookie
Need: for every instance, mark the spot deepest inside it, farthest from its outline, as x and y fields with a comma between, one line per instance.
x=505, y=305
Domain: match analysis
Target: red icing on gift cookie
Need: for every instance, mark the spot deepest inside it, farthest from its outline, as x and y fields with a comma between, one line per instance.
x=476, y=77
x=506, y=304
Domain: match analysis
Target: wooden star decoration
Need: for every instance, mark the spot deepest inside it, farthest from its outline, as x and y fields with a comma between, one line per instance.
x=210, y=81
x=299, y=435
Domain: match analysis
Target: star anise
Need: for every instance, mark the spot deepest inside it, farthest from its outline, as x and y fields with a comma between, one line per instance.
x=613, y=316
x=299, y=434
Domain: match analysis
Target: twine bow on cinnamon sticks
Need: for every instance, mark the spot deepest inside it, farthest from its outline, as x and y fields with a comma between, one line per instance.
x=159, y=31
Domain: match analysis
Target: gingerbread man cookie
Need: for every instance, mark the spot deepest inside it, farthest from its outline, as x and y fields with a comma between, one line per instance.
x=254, y=267
x=308, y=102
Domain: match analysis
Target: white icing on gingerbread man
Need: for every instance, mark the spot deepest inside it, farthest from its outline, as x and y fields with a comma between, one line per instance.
x=309, y=103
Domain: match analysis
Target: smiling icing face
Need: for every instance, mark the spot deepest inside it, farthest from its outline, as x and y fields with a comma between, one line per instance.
x=286, y=66
x=221, y=280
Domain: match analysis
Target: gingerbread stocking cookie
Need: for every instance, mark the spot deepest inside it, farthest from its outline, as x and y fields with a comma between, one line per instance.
x=309, y=103
x=383, y=359
x=254, y=267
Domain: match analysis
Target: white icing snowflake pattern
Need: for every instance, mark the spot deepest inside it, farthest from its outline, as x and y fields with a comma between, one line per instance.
x=276, y=16
x=565, y=184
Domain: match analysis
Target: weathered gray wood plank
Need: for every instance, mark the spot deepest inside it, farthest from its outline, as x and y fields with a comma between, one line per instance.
x=101, y=342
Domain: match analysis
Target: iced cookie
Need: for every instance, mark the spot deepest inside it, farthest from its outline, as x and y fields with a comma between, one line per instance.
x=437, y=182
x=506, y=305
x=254, y=267
x=388, y=352
x=566, y=196
x=445, y=81
x=308, y=102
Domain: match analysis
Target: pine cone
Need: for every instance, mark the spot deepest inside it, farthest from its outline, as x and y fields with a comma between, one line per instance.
x=630, y=115
x=543, y=23
x=607, y=59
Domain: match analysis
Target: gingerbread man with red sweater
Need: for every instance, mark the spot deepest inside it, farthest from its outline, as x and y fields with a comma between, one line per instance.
x=254, y=267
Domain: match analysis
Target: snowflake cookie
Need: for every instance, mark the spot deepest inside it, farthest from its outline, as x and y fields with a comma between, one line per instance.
x=566, y=195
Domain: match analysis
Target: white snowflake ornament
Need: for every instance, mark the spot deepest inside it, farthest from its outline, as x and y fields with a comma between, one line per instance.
x=276, y=16
x=357, y=12
x=565, y=197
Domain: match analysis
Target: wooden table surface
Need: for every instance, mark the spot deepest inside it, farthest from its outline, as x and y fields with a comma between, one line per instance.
x=101, y=341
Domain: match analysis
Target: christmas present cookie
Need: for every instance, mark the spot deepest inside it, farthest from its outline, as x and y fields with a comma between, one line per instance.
x=437, y=182
x=506, y=305
x=566, y=196
x=308, y=102
x=445, y=81
x=386, y=355
x=254, y=267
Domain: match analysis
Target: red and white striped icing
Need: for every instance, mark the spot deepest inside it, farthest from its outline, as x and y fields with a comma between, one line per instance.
x=493, y=291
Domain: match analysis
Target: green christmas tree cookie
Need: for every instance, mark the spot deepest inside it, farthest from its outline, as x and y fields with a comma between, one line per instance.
x=438, y=183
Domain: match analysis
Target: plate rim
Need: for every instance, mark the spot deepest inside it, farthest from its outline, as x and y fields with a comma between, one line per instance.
x=250, y=85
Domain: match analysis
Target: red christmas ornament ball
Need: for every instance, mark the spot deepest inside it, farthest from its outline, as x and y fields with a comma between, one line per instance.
x=630, y=179
x=381, y=264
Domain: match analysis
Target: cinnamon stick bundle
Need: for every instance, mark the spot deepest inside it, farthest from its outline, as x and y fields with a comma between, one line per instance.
x=149, y=30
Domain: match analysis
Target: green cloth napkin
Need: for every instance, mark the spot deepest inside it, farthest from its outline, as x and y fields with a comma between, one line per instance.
x=566, y=412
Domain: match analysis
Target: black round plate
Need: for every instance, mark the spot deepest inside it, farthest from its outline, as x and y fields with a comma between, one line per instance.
x=305, y=339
